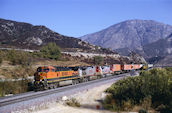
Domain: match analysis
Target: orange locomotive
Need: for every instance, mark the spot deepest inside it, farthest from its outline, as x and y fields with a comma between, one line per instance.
x=49, y=76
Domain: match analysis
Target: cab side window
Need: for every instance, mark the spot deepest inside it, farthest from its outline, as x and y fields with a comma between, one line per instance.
x=46, y=70
x=52, y=70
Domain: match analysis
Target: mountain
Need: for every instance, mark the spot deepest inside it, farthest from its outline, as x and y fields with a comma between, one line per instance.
x=129, y=35
x=159, y=52
x=165, y=61
x=162, y=47
x=27, y=36
x=24, y=35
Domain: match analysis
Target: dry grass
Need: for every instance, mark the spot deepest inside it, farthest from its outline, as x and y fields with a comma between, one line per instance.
x=137, y=108
x=8, y=71
x=60, y=63
x=73, y=102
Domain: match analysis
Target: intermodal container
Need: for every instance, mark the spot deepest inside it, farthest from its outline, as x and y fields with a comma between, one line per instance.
x=126, y=67
x=116, y=67
x=135, y=66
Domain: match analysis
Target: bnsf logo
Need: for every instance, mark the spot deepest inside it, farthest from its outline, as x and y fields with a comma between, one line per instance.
x=64, y=73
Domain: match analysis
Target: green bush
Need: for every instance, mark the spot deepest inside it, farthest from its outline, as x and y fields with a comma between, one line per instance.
x=151, y=88
x=51, y=51
x=73, y=102
x=19, y=58
x=13, y=87
x=0, y=60
x=36, y=54
x=98, y=60
x=142, y=111
x=1, y=56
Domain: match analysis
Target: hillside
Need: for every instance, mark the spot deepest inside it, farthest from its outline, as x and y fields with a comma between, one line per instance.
x=164, y=61
x=162, y=47
x=26, y=36
x=129, y=34
x=23, y=35
x=146, y=37
x=161, y=50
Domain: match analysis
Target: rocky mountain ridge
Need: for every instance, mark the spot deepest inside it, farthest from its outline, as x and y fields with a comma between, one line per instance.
x=27, y=36
x=162, y=47
x=130, y=35
x=148, y=38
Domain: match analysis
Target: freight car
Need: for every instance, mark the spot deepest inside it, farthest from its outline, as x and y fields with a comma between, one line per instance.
x=116, y=68
x=126, y=67
x=135, y=66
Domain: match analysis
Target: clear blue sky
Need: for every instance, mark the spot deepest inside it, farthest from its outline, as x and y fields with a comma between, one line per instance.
x=79, y=17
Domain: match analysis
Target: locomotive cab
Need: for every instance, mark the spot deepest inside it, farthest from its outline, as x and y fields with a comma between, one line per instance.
x=42, y=72
x=40, y=76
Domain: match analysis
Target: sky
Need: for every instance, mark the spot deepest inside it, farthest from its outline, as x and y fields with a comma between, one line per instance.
x=80, y=17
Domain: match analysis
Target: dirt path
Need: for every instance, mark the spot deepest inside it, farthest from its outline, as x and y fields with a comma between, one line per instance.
x=89, y=100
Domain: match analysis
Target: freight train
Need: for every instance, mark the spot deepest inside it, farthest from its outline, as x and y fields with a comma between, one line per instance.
x=48, y=77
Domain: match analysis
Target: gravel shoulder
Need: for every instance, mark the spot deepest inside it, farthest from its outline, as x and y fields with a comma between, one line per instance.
x=88, y=99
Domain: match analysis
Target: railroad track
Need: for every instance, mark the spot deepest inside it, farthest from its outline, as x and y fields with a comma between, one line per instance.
x=32, y=95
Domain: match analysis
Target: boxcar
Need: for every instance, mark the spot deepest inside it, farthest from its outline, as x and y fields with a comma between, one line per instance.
x=126, y=67
x=116, y=67
x=135, y=66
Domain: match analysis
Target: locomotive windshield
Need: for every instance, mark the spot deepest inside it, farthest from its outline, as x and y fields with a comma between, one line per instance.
x=45, y=70
x=39, y=70
x=42, y=70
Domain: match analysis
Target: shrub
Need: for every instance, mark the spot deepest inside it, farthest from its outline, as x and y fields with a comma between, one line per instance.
x=51, y=51
x=98, y=60
x=0, y=56
x=151, y=89
x=73, y=102
x=142, y=111
x=13, y=87
x=36, y=54
x=19, y=58
x=0, y=60
x=147, y=102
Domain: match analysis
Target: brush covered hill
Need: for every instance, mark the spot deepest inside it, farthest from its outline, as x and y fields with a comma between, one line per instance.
x=26, y=36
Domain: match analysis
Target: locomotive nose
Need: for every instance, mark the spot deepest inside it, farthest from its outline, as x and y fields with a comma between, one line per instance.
x=37, y=76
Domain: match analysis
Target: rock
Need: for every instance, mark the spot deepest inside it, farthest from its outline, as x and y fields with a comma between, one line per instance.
x=64, y=98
